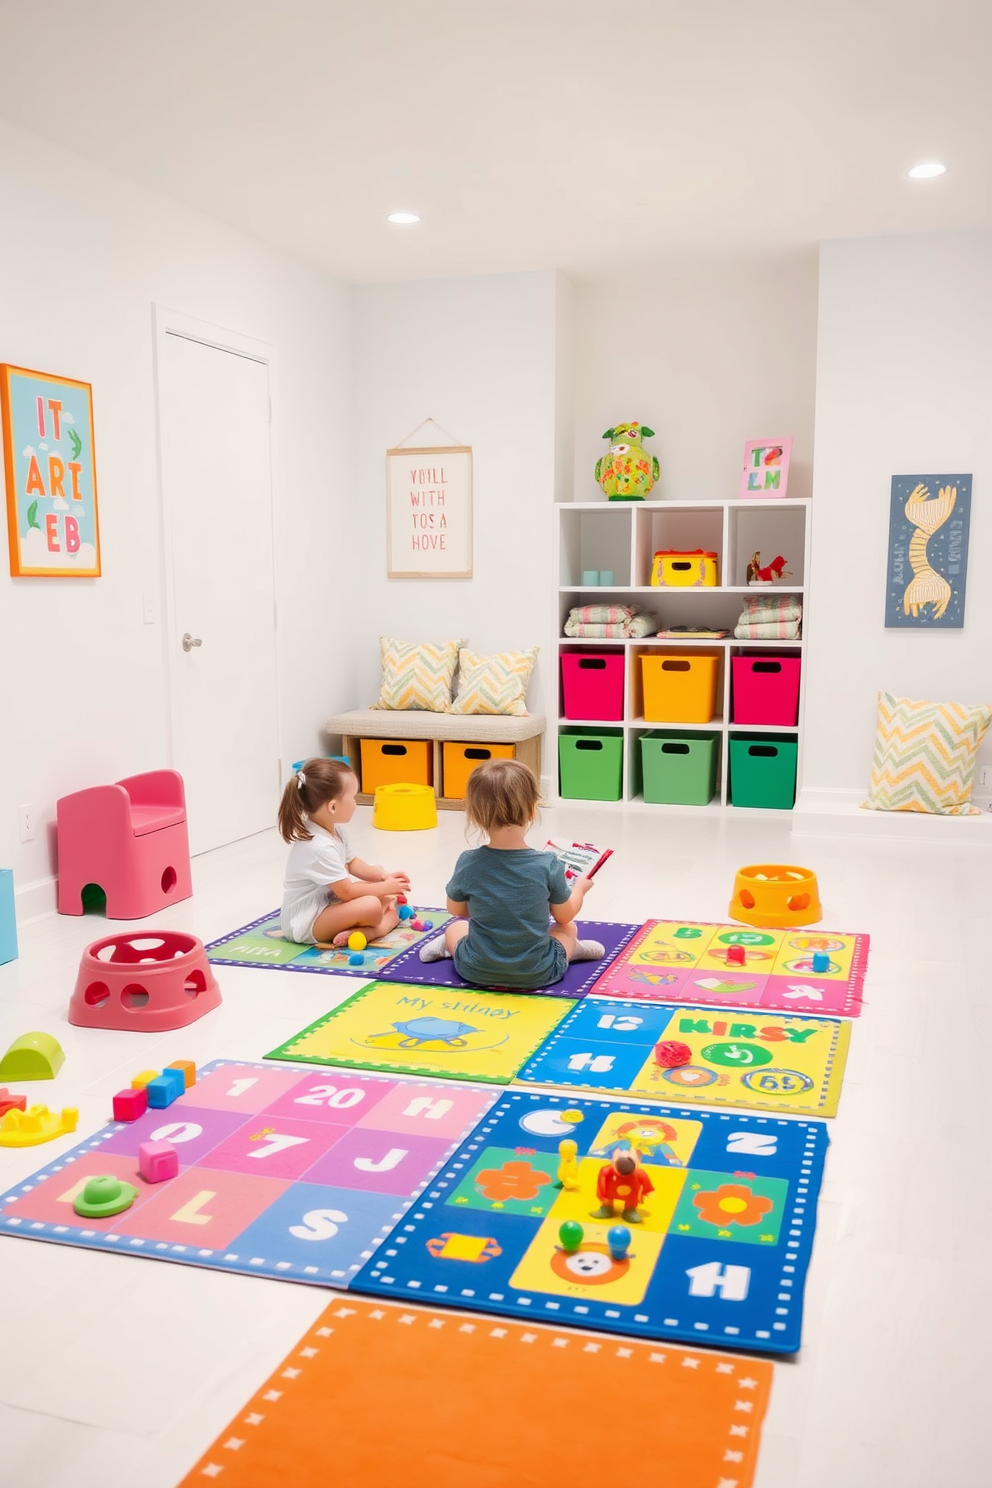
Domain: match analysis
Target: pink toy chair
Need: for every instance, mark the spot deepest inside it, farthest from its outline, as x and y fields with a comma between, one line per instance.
x=127, y=839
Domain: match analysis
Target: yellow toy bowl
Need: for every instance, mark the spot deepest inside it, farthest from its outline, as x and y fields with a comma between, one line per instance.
x=775, y=896
x=404, y=808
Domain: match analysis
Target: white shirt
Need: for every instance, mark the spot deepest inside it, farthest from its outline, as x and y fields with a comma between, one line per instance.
x=314, y=865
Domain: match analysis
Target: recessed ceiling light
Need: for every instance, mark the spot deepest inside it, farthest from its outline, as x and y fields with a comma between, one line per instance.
x=926, y=170
x=405, y=218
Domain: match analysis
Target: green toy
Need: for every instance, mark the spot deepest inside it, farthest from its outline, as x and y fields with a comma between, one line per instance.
x=33, y=1056
x=570, y=1234
x=628, y=472
x=103, y=1196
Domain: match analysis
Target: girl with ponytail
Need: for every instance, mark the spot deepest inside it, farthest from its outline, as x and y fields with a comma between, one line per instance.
x=329, y=892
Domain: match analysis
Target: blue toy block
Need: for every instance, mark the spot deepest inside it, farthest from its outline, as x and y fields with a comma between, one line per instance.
x=8, y=924
x=166, y=1087
x=821, y=961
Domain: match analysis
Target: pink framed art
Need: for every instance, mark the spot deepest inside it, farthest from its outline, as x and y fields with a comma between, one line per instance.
x=766, y=468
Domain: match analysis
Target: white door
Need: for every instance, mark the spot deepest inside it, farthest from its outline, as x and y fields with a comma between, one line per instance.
x=214, y=429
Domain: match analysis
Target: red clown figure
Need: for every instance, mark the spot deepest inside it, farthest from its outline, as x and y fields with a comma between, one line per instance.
x=622, y=1181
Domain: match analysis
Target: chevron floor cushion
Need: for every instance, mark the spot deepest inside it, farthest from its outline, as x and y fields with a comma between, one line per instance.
x=924, y=756
x=417, y=675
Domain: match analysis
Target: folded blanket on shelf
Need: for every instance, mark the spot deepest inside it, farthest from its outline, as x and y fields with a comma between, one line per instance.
x=633, y=628
x=767, y=630
x=763, y=609
x=602, y=614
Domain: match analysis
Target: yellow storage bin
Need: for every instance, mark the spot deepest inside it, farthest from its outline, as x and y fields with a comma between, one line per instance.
x=673, y=569
x=396, y=762
x=679, y=688
x=404, y=808
x=459, y=760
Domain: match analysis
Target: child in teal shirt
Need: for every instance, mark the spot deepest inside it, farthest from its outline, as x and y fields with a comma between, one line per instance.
x=503, y=893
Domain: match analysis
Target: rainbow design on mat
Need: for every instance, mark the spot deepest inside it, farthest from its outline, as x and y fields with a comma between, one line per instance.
x=720, y=1253
x=698, y=961
x=282, y=1174
x=757, y=1061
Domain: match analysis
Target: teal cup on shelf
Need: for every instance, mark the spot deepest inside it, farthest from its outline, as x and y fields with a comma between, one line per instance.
x=606, y=577
x=590, y=578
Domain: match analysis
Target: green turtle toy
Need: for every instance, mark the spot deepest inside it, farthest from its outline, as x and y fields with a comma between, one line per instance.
x=628, y=472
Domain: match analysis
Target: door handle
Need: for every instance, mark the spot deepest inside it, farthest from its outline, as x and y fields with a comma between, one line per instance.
x=190, y=641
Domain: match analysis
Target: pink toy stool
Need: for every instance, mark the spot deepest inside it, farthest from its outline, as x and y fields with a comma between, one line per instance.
x=147, y=981
x=127, y=839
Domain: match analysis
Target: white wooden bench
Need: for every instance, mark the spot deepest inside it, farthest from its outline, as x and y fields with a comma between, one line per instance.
x=481, y=729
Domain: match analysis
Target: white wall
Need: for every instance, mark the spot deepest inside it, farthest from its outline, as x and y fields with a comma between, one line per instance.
x=709, y=353
x=478, y=356
x=904, y=385
x=83, y=256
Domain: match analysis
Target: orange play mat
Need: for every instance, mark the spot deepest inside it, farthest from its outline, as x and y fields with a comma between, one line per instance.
x=378, y=1394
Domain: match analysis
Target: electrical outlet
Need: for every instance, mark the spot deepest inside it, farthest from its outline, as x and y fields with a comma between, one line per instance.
x=25, y=822
x=985, y=777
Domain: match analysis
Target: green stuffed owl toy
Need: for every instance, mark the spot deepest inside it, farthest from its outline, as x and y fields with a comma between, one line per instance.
x=628, y=472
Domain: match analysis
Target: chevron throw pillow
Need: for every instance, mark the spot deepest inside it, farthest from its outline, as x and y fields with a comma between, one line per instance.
x=494, y=684
x=925, y=756
x=417, y=675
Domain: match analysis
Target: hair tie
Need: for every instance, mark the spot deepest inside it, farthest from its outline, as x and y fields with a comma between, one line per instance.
x=301, y=780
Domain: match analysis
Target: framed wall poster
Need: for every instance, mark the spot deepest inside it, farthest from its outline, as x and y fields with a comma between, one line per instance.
x=429, y=512
x=766, y=468
x=929, y=518
x=50, y=474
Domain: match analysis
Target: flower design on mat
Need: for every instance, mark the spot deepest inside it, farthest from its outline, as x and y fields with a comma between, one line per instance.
x=514, y=1180
x=732, y=1203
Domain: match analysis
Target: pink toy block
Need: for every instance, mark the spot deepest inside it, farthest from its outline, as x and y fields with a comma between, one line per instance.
x=130, y=1104
x=146, y=980
x=157, y=1161
x=129, y=839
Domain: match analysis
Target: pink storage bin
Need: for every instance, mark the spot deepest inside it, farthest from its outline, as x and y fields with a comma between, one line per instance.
x=592, y=685
x=766, y=689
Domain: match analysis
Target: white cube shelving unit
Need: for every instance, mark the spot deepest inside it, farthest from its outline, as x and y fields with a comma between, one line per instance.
x=623, y=537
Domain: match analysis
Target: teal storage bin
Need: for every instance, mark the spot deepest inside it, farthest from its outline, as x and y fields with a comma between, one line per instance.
x=678, y=769
x=8, y=924
x=591, y=764
x=763, y=770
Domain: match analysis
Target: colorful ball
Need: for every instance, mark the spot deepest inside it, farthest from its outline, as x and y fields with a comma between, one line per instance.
x=357, y=941
x=570, y=1234
x=404, y=911
x=356, y=959
x=417, y=925
x=618, y=1239
x=671, y=1054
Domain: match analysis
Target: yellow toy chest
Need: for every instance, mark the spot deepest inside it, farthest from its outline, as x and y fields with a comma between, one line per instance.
x=675, y=569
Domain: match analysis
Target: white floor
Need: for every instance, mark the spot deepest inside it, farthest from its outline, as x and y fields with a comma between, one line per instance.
x=117, y=1370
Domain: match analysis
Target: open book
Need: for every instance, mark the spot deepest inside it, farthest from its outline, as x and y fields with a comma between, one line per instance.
x=580, y=858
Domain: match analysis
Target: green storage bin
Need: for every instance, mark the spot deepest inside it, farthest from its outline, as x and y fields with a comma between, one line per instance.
x=678, y=769
x=763, y=770
x=591, y=764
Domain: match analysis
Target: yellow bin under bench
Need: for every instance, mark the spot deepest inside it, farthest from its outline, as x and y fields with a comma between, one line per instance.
x=404, y=808
x=459, y=760
x=396, y=762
